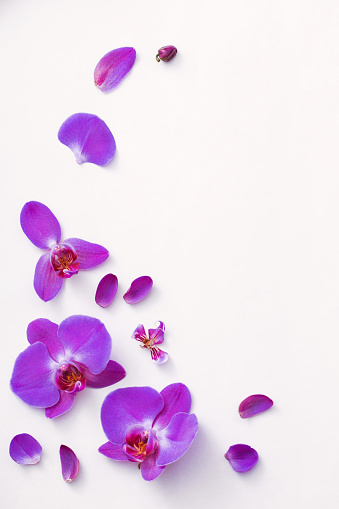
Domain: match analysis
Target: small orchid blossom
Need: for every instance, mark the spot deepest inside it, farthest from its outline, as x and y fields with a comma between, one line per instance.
x=155, y=337
x=148, y=428
x=61, y=260
x=61, y=361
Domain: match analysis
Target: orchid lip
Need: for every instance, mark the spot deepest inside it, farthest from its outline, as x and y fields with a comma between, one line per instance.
x=69, y=378
x=63, y=259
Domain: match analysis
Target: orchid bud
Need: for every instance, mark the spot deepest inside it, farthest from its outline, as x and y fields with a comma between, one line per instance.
x=166, y=53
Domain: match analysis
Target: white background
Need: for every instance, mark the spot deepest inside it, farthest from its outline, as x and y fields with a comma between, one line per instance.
x=224, y=189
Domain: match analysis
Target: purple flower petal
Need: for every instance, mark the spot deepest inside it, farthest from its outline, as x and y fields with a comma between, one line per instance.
x=176, y=438
x=113, y=67
x=242, y=457
x=40, y=224
x=86, y=341
x=46, y=332
x=138, y=290
x=64, y=404
x=177, y=398
x=112, y=374
x=89, y=138
x=123, y=408
x=88, y=255
x=106, y=291
x=47, y=283
x=157, y=335
x=158, y=356
x=69, y=463
x=25, y=450
x=149, y=468
x=139, y=334
x=33, y=377
x=113, y=451
x=254, y=405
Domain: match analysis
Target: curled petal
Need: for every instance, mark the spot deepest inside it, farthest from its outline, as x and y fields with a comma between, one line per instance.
x=138, y=290
x=40, y=224
x=254, y=405
x=47, y=283
x=86, y=341
x=106, y=291
x=33, y=377
x=158, y=356
x=112, y=374
x=46, y=332
x=25, y=450
x=123, y=408
x=69, y=463
x=113, y=67
x=113, y=451
x=157, y=335
x=64, y=404
x=242, y=457
x=89, y=138
x=139, y=334
x=176, y=438
x=89, y=255
x=177, y=398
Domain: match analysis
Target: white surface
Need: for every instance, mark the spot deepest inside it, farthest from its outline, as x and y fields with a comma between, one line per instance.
x=224, y=189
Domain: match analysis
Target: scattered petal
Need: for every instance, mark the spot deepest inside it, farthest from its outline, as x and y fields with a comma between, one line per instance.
x=106, y=291
x=242, y=457
x=89, y=138
x=69, y=463
x=166, y=53
x=254, y=405
x=25, y=450
x=40, y=224
x=113, y=67
x=138, y=290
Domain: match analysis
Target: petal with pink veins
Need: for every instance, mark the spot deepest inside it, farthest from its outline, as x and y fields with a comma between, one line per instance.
x=69, y=463
x=113, y=67
x=25, y=449
x=106, y=291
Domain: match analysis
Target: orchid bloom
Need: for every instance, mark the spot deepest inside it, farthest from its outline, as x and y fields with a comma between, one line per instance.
x=61, y=361
x=154, y=338
x=148, y=428
x=61, y=260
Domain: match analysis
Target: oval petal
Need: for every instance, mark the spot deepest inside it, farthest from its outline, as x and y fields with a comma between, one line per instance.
x=242, y=457
x=138, y=290
x=106, y=291
x=89, y=138
x=253, y=405
x=25, y=450
x=113, y=67
x=69, y=463
x=40, y=224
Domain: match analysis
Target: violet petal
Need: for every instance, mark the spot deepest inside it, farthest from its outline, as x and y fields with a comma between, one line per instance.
x=149, y=468
x=47, y=283
x=33, y=377
x=112, y=374
x=89, y=255
x=40, y=224
x=46, y=332
x=123, y=408
x=158, y=356
x=69, y=463
x=176, y=438
x=138, y=290
x=113, y=67
x=139, y=334
x=106, y=291
x=254, y=405
x=89, y=138
x=242, y=457
x=157, y=335
x=113, y=451
x=64, y=404
x=25, y=450
x=86, y=341
x=177, y=398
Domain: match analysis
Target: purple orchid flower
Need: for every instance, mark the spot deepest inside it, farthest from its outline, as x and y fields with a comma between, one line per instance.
x=61, y=361
x=148, y=428
x=61, y=260
x=154, y=338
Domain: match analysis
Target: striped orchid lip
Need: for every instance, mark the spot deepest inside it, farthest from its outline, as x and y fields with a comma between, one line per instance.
x=151, y=341
x=61, y=260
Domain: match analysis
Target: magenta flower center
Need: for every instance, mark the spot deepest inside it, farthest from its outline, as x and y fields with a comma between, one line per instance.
x=63, y=261
x=69, y=378
x=139, y=444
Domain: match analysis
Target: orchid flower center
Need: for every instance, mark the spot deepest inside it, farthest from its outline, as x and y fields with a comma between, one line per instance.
x=63, y=261
x=69, y=378
x=140, y=443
